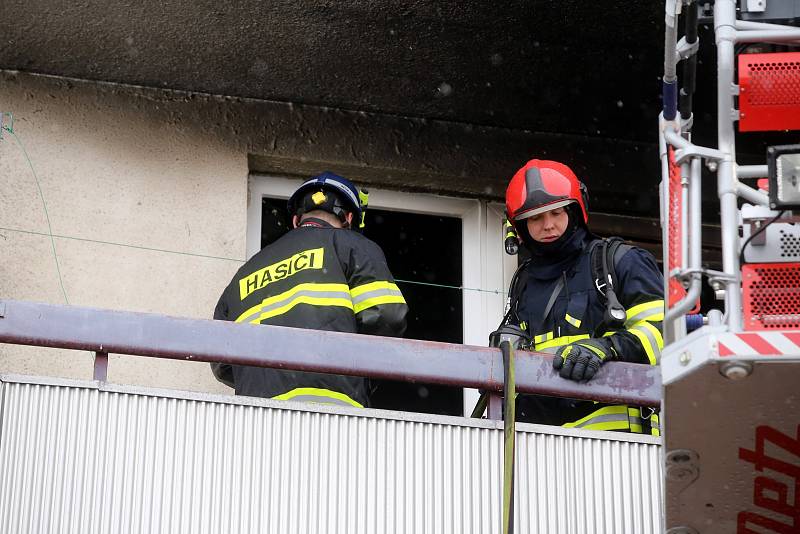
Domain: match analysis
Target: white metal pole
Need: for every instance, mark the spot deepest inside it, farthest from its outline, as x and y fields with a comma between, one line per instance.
x=725, y=34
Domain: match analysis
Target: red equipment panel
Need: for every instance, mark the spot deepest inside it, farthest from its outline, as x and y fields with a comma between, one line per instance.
x=675, y=259
x=769, y=92
x=771, y=296
x=675, y=290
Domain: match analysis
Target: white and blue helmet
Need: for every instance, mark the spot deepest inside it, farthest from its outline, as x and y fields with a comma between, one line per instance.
x=314, y=194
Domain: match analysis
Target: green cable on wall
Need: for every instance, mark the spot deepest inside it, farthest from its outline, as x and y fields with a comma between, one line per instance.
x=10, y=129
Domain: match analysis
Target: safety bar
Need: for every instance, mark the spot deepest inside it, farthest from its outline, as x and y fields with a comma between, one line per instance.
x=159, y=336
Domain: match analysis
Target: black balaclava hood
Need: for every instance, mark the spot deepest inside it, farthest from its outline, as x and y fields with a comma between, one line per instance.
x=549, y=260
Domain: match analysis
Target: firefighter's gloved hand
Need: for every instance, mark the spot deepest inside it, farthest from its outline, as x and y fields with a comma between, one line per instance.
x=581, y=360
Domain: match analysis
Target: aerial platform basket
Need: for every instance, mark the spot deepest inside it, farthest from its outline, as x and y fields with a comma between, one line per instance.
x=732, y=431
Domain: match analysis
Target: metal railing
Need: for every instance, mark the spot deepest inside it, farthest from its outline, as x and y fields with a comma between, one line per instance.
x=159, y=336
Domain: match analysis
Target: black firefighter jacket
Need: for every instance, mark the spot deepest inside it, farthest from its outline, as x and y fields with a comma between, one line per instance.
x=577, y=314
x=319, y=277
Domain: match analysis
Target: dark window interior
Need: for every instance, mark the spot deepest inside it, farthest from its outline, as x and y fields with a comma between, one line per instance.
x=424, y=252
x=275, y=220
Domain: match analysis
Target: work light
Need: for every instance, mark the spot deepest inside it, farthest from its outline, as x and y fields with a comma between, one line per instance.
x=783, y=163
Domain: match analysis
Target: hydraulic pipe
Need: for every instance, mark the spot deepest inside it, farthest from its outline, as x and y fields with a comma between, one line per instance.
x=676, y=313
x=754, y=196
x=664, y=214
x=670, y=80
x=685, y=220
x=761, y=36
x=752, y=171
x=725, y=34
x=696, y=215
x=676, y=140
x=753, y=25
x=689, y=65
x=686, y=303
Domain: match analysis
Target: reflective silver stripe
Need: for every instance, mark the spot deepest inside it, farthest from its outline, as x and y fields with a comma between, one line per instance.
x=382, y=292
x=319, y=399
x=655, y=346
x=541, y=338
x=606, y=418
x=250, y=317
x=629, y=419
x=650, y=311
x=294, y=296
x=644, y=424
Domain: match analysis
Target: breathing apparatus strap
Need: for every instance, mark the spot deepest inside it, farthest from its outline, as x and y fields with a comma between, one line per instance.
x=604, y=273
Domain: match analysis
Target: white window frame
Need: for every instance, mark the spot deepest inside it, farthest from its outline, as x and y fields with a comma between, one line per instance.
x=486, y=269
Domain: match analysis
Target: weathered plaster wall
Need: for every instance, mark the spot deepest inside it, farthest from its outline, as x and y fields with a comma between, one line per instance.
x=117, y=171
x=166, y=171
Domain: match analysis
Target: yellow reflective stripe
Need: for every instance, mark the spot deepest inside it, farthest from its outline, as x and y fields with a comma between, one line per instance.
x=573, y=321
x=647, y=311
x=650, y=338
x=637, y=420
x=607, y=418
x=608, y=426
x=606, y=410
x=377, y=301
x=375, y=294
x=313, y=301
x=655, y=426
x=541, y=338
x=619, y=417
x=594, y=349
x=654, y=331
x=318, y=392
x=560, y=341
x=314, y=294
x=372, y=286
x=646, y=345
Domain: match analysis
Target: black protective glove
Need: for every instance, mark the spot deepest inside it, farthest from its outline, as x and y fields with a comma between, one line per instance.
x=581, y=360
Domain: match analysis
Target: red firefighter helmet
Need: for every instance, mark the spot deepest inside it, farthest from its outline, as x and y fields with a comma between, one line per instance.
x=543, y=185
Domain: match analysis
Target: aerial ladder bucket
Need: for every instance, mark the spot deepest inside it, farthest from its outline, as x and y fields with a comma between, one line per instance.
x=731, y=408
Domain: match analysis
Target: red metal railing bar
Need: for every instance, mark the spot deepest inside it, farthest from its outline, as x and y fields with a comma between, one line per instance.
x=145, y=334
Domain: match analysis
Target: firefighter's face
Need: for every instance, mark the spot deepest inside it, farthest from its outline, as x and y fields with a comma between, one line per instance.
x=548, y=226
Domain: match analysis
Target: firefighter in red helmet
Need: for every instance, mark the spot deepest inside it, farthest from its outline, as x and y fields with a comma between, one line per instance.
x=586, y=300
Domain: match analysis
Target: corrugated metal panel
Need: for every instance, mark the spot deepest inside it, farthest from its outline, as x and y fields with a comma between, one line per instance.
x=75, y=458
